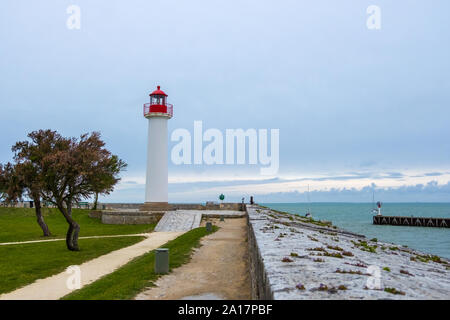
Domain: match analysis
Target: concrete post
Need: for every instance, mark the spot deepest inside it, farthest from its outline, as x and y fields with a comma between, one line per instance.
x=162, y=261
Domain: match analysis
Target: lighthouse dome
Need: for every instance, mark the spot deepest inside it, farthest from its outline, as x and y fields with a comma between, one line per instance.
x=158, y=91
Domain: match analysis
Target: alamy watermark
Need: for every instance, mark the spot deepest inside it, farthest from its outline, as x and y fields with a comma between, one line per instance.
x=220, y=150
x=74, y=19
x=73, y=282
x=374, y=20
x=73, y=22
x=374, y=280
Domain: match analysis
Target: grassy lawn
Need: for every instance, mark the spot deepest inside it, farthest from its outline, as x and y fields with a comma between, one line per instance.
x=127, y=281
x=23, y=264
x=19, y=224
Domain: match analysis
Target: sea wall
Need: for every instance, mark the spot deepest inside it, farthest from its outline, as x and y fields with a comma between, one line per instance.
x=293, y=257
x=179, y=206
x=96, y=214
x=110, y=206
x=260, y=286
x=123, y=213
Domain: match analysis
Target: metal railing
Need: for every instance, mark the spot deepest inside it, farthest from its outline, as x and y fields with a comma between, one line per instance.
x=158, y=108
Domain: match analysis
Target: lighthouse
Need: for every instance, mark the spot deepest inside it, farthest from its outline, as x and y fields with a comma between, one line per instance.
x=158, y=111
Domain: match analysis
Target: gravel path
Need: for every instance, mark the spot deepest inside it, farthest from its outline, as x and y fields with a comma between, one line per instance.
x=218, y=269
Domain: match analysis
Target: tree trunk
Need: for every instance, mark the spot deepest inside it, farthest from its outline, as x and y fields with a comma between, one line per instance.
x=74, y=228
x=40, y=218
x=96, y=201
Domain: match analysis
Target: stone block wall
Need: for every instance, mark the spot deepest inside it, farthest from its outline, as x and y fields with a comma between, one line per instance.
x=109, y=206
x=261, y=289
x=132, y=217
x=179, y=206
x=95, y=214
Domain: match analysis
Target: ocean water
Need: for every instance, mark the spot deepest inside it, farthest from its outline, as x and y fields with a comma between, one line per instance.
x=357, y=217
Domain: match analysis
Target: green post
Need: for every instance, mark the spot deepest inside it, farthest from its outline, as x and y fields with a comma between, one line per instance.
x=222, y=218
x=162, y=261
x=208, y=226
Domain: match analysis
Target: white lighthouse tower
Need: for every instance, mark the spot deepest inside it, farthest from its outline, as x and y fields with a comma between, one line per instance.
x=158, y=112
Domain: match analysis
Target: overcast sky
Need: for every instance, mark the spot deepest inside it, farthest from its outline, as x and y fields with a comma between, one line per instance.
x=355, y=107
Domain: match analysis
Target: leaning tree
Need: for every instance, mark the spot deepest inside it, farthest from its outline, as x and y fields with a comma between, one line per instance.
x=19, y=180
x=72, y=175
x=27, y=177
x=64, y=171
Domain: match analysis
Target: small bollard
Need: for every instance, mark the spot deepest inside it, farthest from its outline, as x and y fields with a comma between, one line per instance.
x=162, y=261
x=208, y=227
x=222, y=218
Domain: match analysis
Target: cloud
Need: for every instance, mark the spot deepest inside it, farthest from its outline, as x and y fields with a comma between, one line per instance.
x=395, y=174
x=430, y=192
x=347, y=187
x=433, y=174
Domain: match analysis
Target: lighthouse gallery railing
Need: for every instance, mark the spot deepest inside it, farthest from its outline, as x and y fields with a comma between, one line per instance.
x=158, y=108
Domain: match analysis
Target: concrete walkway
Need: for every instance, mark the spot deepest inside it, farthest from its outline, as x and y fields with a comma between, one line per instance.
x=55, y=287
x=171, y=225
x=185, y=220
x=89, y=237
x=180, y=220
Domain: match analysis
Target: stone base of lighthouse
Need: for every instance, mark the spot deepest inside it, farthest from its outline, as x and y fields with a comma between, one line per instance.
x=155, y=206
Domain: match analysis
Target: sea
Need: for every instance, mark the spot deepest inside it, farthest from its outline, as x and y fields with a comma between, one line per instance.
x=357, y=217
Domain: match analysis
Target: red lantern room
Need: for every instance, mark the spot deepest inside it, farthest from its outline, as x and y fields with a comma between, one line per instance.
x=158, y=106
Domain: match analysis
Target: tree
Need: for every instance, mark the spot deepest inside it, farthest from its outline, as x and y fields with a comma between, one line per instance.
x=73, y=175
x=10, y=185
x=2, y=183
x=65, y=171
x=19, y=179
x=104, y=176
x=28, y=175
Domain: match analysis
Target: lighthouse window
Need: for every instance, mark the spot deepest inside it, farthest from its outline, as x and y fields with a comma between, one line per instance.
x=158, y=100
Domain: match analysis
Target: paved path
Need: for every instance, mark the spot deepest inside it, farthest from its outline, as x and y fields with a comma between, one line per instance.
x=89, y=237
x=185, y=220
x=171, y=225
x=55, y=287
x=180, y=220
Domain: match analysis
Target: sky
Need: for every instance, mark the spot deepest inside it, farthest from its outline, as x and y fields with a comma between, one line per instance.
x=358, y=110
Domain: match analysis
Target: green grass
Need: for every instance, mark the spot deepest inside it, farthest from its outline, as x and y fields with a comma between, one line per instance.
x=131, y=279
x=19, y=224
x=23, y=264
x=362, y=245
x=394, y=291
